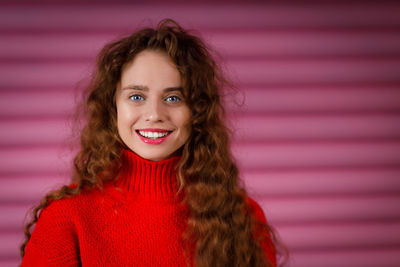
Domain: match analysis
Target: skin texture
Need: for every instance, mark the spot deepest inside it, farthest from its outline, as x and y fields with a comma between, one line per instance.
x=149, y=98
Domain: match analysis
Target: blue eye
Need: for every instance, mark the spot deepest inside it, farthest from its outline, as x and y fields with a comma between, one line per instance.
x=136, y=98
x=173, y=98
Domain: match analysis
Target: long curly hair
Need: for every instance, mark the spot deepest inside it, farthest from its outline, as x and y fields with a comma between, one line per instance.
x=220, y=226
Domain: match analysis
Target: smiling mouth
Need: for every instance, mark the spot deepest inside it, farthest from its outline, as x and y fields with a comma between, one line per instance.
x=153, y=134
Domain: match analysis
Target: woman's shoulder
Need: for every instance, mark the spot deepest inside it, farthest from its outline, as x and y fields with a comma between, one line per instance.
x=59, y=209
x=68, y=205
x=267, y=243
x=256, y=210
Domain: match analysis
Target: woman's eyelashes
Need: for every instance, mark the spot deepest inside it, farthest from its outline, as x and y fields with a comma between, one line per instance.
x=168, y=99
x=173, y=98
x=136, y=98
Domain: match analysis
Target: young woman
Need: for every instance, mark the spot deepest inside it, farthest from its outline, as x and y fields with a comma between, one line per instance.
x=154, y=182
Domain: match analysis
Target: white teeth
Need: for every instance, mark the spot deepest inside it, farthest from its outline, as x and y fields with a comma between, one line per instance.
x=153, y=135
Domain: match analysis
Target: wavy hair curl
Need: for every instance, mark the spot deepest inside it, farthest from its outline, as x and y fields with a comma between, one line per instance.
x=220, y=228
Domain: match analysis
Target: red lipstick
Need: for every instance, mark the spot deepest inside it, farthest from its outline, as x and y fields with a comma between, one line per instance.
x=153, y=136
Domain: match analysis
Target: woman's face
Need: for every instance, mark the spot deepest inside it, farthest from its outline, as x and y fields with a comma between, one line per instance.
x=152, y=116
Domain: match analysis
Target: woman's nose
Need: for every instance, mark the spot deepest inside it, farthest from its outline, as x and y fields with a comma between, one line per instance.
x=154, y=111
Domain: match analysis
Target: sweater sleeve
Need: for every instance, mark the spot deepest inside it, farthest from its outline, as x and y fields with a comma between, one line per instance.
x=266, y=243
x=53, y=241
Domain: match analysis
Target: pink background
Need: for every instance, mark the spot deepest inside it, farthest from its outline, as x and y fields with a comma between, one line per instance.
x=317, y=140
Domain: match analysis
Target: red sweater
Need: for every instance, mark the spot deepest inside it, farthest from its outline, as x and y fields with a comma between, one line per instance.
x=136, y=221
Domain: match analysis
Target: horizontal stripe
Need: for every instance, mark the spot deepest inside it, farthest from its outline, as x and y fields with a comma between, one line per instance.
x=264, y=43
x=123, y=17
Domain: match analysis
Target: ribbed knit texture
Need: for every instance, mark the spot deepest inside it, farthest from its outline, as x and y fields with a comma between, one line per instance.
x=135, y=221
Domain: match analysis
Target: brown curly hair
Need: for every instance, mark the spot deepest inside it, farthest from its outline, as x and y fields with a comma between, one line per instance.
x=220, y=227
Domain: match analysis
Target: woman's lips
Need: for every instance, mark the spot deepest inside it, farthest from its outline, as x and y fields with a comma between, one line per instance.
x=153, y=136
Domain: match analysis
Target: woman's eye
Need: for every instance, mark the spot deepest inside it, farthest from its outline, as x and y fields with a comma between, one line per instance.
x=173, y=98
x=136, y=98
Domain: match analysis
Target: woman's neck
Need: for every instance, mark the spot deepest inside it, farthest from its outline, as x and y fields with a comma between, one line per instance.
x=148, y=179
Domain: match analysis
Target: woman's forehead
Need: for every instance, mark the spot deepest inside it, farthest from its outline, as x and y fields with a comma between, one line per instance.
x=151, y=69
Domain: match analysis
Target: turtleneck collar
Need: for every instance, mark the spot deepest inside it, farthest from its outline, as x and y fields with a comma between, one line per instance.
x=148, y=179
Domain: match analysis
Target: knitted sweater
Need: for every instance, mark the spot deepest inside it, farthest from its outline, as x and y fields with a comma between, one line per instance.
x=135, y=221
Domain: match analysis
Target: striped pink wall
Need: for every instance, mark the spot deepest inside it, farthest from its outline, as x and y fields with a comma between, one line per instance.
x=318, y=138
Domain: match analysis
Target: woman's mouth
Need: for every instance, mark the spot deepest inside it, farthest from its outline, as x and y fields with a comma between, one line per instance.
x=153, y=136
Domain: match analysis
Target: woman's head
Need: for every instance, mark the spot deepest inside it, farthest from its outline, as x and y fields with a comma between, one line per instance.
x=121, y=65
x=153, y=119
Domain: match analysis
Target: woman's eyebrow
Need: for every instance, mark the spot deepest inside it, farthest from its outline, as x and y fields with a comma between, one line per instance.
x=145, y=88
x=136, y=87
x=171, y=89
